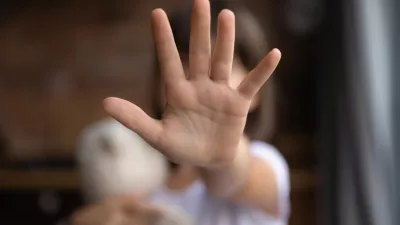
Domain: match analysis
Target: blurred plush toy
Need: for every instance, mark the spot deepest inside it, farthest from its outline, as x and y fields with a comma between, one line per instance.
x=113, y=160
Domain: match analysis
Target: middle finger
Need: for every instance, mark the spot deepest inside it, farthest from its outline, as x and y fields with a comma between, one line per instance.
x=200, y=44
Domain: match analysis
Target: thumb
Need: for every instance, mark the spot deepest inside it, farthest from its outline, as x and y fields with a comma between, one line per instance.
x=134, y=118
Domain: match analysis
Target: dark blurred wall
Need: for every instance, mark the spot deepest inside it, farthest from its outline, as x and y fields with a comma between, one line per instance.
x=57, y=65
x=59, y=59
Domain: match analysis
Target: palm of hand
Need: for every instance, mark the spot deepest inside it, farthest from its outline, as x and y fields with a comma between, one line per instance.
x=204, y=117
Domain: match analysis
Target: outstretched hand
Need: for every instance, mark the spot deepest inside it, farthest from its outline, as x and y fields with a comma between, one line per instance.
x=204, y=118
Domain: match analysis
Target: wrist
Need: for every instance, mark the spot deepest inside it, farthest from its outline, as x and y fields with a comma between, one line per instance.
x=224, y=179
x=240, y=159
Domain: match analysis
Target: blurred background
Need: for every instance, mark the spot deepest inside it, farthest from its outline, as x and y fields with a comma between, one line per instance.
x=336, y=99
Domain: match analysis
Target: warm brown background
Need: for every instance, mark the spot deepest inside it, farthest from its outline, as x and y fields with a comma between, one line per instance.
x=59, y=60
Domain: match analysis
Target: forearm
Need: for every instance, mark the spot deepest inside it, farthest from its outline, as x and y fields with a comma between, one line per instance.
x=247, y=180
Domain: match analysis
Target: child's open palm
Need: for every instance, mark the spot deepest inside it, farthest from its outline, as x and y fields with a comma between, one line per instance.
x=204, y=117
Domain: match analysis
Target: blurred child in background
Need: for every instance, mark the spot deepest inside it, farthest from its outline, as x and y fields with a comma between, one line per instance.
x=213, y=116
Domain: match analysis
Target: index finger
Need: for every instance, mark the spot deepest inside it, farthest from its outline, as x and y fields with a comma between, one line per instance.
x=168, y=56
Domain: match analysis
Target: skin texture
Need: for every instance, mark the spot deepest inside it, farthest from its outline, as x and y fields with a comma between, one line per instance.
x=205, y=112
x=129, y=210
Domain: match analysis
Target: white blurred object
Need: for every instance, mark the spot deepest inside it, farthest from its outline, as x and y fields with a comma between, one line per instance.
x=113, y=160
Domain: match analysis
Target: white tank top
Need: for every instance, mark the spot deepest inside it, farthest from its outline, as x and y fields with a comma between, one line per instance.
x=204, y=209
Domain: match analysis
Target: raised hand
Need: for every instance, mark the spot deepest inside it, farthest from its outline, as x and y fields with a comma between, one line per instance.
x=204, y=117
